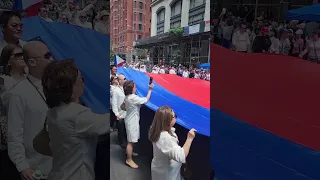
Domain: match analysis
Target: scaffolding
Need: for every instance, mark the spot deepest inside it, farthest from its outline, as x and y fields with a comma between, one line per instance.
x=187, y=51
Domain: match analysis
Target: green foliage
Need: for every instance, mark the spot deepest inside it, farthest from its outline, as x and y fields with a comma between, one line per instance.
x=176, y=56
x=178, y=31
x=141, y=53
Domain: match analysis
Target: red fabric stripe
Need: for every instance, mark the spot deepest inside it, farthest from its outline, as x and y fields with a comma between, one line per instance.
x=193, y=90
x=279, y=94
x=33, y=10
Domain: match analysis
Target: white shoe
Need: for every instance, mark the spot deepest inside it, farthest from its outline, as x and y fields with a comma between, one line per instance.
x=135, y=154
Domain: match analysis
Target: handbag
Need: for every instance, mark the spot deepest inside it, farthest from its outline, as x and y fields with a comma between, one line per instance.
x=41, y=140
x=185, y=172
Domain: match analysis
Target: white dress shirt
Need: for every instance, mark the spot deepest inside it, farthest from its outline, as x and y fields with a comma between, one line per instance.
x=116, y=102
x=133, y=104
x=26, y=117
x=73, y=132
x=172, y=71
x=168, y=157
x=102, y=27
x=9, y=83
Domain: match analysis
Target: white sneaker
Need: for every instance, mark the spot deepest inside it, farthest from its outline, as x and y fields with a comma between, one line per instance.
x=135, y=154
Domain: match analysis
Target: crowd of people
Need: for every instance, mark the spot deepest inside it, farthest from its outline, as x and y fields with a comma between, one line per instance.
x=180, y=70
x=69, y=12
x=168, y=155
x=261, y=35
x=40, y=103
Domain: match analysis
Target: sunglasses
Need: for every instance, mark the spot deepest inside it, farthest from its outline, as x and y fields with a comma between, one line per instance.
x=175, y=116
x=47, y=56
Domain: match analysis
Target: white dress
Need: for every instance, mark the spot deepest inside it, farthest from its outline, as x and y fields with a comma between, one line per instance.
x=133, y=104
x=168, y=157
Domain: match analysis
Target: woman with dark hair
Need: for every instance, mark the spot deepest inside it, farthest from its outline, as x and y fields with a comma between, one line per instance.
x=114, y=83
x=168, y=156
x=73, y=129
x=132, y=104
x=12, y=65
x=12, y=29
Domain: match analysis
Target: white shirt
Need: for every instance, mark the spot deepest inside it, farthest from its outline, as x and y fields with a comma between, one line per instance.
x=26, y=117
x=102, y=27
x=172, y=71
x=116, y=102
x=133, y=104
x=241, y=41
x=87, y=25
x=168, y=157
x=185, y=74
x=154, y=71
x=73, y=132
x=275, y=45
x=74, y=15
x=162, y=71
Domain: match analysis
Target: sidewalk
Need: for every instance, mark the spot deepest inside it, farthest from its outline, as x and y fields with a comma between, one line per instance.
x=119, y=170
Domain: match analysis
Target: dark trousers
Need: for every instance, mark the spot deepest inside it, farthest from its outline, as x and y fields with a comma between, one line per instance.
x=102, y=166
x=112, y=118
x=122, y=134
x=7, y=168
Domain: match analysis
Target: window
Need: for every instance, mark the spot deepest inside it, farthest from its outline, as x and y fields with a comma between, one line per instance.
x=140, y=17
x=160, y=21
x=141, y=5
x=196, y=3
x=175, y=20
x=196, y=15
x=140, y=27
x=135, y=4
x=176, y=8
x=139, y=36
x=134, y=16
x=134, y=26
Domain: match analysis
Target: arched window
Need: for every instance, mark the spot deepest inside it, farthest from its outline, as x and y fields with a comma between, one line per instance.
x=160, y=20
x=175, y=20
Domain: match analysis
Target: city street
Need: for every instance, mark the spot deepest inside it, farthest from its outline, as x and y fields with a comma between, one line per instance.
x=119, y=170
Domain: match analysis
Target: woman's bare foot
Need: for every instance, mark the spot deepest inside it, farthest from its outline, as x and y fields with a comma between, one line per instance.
x=132, y=164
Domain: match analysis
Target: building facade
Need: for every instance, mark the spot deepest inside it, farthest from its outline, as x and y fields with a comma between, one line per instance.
x=192, y=19
x=129, y=21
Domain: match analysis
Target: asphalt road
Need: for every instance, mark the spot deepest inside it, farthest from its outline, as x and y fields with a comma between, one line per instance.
x=119, y=170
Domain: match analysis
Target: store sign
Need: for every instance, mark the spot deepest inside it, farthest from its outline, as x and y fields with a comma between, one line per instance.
x=194, y=29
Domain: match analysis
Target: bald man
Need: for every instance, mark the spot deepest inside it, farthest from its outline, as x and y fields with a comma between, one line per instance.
x=27, y=112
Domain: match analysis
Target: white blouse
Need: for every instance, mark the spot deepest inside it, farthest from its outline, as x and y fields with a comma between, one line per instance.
x=168, y=157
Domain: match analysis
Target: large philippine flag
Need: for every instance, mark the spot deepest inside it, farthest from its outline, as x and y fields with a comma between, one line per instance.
x=30, y=6
x=118, y=61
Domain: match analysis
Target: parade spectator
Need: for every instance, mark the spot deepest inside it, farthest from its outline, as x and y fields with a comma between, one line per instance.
x=43, y=13
x=172, y=71
x=185, y=73
x=12, y=29
x=27, y=110
x=114, y=83
x=241, y=40
x=73, y=128
x=64, y=19
x=168, y=156
x=103, y=25
x=13, y=65
x=274, y=48
x=284, y=45
x=297, y=43
x=82, y=21
x=262, y=41
x=113, y=70
x=118, y=97
x=132, y=104
x=73, y=12
x=162, y=70
x=313, y=47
